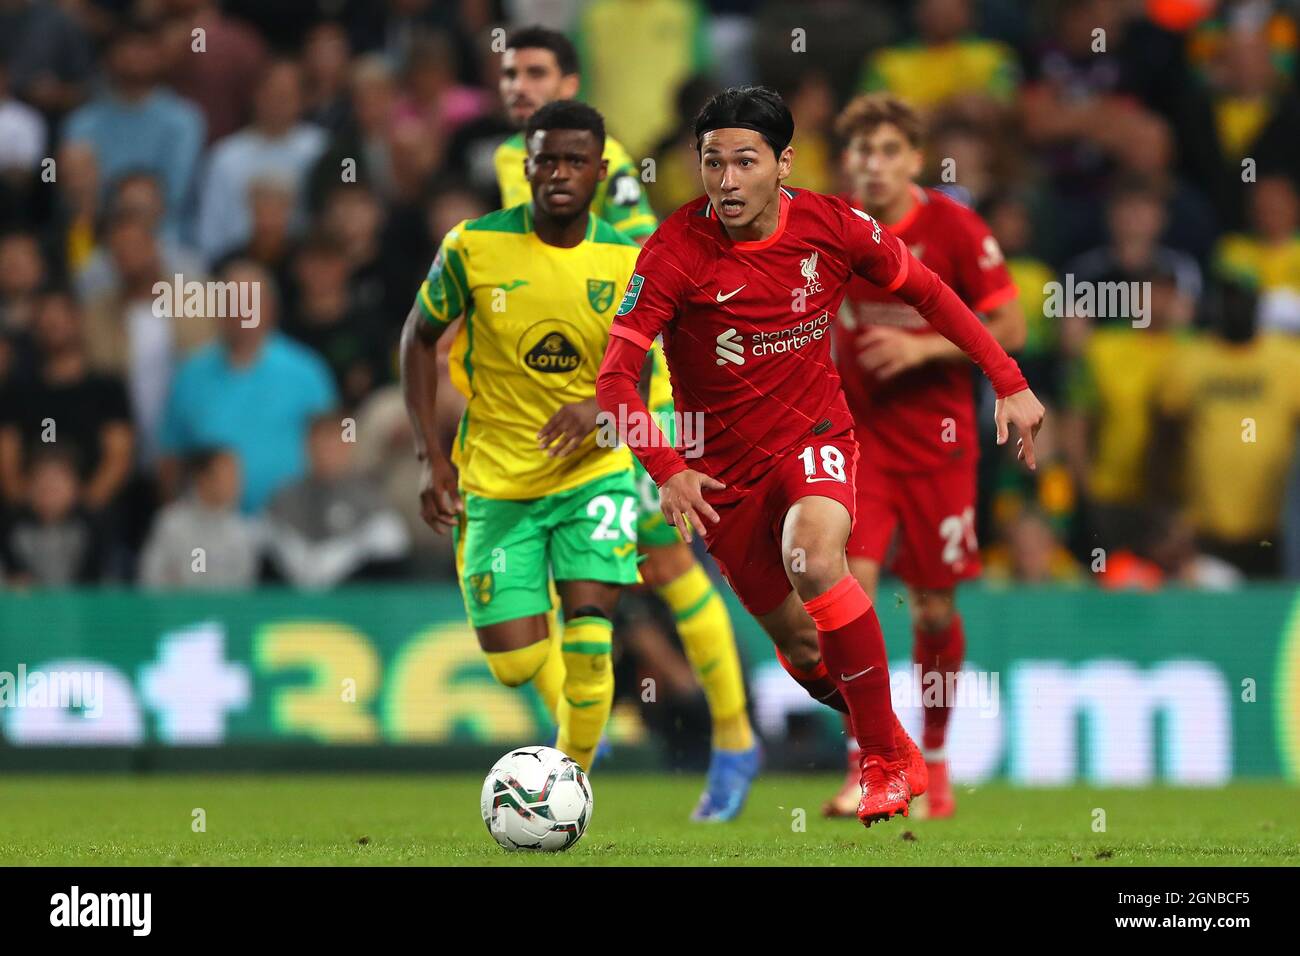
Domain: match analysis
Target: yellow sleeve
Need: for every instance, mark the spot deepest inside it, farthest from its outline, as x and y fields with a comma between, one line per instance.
x=444, y=294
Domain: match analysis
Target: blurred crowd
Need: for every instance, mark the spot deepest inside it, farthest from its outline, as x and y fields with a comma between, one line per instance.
x=321, y=149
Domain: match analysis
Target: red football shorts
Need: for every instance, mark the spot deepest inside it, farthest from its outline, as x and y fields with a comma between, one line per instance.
x=933, y=514
x=746, y=542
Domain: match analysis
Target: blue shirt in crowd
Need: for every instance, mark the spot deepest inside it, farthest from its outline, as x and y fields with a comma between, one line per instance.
x=261, y=411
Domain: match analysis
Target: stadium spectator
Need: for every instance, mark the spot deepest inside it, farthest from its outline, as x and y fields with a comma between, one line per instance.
x=1031, y=554
x=947, y=65
x=333, y=525
x=347, y=336
x=135, y=195
x=277, y=143
x=1010, y=218
x=51, y=541
x=360, y=152
x=634, y=83
x=1268, y=256
x=222, y=74
x=1231, y=404
x=325, y=64
x=69, y=232
x=23, y=133
x=68, y=405
x=137, y=124
x=201, y=542
x=273, y=241
x=1135, y=218
x=130, y=331
x=49, y=54
x=254, y=391
x=1112, y=399
x=384, y=444
x=383, y=276
x=22, y=274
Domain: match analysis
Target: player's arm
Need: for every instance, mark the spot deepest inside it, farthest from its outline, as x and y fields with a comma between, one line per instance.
x=885, y=260
x=651, y=300
x=443, y=296
x=985, y=283
x=626, y=206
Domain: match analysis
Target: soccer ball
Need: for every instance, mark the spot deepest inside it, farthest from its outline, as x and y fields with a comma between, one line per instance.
x=536, y=798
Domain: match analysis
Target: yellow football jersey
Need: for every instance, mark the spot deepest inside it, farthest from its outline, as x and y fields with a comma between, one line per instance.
x=619, y=199
x=536, y=324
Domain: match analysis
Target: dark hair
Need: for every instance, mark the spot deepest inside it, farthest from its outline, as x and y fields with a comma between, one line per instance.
x=567, y=114
x=200, y=461
x=748, y=107
x=540, y=38
x=1233, y=306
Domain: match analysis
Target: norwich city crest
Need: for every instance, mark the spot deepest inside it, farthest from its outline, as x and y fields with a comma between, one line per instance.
x=600, y=294
x=480, y=588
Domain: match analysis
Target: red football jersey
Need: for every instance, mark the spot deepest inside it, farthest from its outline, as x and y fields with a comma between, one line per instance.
x=923, y=418
x=747, y=330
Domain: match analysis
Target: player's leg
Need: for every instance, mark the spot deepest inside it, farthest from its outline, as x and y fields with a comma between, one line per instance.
x=585, y=644
x=705, y=629
x=939, y=550
x=867, y=572
x=939, y=647
x=501, y=568
x=592, y=548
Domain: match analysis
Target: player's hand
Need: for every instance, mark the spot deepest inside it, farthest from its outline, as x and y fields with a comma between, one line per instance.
x=887, y=351
x=568, y=427
x=682, y=500
x=440, y=504
x=1024, y=411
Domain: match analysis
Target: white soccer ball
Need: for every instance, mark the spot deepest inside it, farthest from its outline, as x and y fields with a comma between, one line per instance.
x=536, y=798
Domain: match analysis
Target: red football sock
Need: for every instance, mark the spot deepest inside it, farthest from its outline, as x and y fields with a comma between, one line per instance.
x=817, y=682
x=940, y=652
x=853, y=650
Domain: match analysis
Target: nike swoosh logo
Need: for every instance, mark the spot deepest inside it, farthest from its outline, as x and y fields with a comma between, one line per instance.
x=811, y=480
x=724, y=298
x=623, y=550
x=847, y=677
x=513, y=285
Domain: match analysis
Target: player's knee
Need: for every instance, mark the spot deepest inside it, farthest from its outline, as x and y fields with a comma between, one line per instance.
x=813, y=568
x=517, y=667
x=665, y=563
x=587, y=610
x=932, y=611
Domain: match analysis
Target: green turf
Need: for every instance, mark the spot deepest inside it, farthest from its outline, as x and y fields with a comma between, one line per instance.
x=641, y=819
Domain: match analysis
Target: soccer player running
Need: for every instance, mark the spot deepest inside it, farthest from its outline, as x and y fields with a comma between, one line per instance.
x=540, y=66
x=911, y=396
x=535, y=285
x=743, y=283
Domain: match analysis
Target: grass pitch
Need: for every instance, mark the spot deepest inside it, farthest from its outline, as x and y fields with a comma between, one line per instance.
x=638, y=820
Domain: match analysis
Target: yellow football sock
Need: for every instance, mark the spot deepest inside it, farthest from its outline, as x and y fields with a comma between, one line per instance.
x=518, y=667
x=548, y=681
x=588, y=687
x=705, y=630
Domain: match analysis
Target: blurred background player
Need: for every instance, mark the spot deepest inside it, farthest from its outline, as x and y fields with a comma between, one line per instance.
x=540, y=66
x=912, y=399
x=535, y=285
x=779, y=452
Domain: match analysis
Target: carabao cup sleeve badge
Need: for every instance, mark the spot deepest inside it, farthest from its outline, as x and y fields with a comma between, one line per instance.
x=631, y=295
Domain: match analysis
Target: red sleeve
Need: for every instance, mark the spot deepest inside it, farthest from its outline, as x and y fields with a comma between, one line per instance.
x=884, y=260
x=949, y=316
x=982, y=276
x=649, y=304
